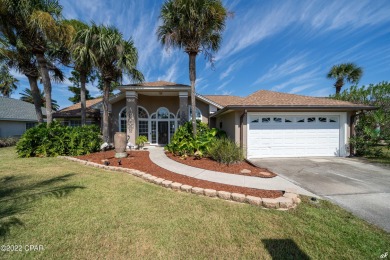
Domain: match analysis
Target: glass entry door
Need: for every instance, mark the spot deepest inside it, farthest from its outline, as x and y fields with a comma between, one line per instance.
x=163, y=132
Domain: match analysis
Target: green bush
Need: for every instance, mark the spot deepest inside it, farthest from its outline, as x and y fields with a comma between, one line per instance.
x=56, y=139
x=8, y=141
x=226, y=151
x=141, y=140
x=183, y=142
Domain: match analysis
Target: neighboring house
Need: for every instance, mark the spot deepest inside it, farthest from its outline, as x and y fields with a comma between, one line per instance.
x=16, y=116
x=71, y=116
x=265, y=124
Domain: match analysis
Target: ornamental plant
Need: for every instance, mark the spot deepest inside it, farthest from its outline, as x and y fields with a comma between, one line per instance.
x=183, y=143
x=56, y=139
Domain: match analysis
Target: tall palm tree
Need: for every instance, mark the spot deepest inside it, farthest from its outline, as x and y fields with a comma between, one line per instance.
x=27, y=96
x=82, y=60
x=195, y=26
x=349, y=72
x=8, y=83
x=39, y=27
x=113, y=56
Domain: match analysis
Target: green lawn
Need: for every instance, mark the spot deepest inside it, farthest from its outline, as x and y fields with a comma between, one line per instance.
x=79, y=212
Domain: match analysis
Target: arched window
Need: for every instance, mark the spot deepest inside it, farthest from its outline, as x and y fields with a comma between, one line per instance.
x=143, y=122
x=198, y=114
x=122, y=120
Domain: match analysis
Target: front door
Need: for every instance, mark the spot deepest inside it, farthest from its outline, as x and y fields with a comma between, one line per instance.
x=162, y=132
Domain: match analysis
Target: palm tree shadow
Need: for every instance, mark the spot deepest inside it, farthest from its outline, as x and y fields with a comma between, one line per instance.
x=16, y=196
x=281, y=249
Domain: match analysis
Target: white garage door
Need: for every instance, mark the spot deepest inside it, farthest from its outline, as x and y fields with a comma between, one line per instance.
x=293, y=136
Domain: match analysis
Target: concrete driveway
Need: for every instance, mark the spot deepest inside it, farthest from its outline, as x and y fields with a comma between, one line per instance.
x=359, y=187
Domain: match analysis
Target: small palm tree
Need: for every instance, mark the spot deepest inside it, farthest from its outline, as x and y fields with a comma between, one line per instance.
x=113, y=56
x=82, y=59
x=27, y=96
x=7, y=82
x=345, y=72
x=195, y=26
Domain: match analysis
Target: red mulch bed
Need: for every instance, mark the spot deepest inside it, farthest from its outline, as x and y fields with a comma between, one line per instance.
x=209, y=164
x=140, y=160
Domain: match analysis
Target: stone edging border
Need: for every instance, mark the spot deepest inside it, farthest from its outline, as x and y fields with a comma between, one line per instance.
x=289, y=200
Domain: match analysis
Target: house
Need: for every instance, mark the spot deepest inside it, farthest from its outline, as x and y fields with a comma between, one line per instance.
x=16, y=116
x=265, y=123
x=71, y=116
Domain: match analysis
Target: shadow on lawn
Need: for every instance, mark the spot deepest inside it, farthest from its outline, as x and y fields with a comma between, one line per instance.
x=17, y=196
x=284, y=249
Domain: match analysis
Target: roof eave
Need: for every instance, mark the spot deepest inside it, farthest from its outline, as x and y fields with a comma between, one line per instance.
x=293, y=108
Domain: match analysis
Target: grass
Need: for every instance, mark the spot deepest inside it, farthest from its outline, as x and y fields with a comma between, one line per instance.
x=385, y=158
x=79, y=212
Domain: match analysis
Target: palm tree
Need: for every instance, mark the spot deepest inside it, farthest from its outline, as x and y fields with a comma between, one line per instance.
x=195, y=26
x=113, y=56
x=82, y=60
x=40, y=29
x=27, y=96
x=7, y=81
x=349, y=72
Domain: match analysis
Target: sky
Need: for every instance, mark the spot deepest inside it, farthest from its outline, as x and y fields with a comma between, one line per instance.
x=286, y=46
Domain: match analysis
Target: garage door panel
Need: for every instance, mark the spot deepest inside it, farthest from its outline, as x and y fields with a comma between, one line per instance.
x=292, y=139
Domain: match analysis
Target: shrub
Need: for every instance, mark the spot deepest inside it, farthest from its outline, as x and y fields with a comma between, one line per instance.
x=8, y=141
x=56, y=139
x=141, y=140
x=183, y=143
x=226, y=151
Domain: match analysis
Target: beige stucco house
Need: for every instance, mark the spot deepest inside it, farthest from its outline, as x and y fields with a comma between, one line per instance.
x=265, y=123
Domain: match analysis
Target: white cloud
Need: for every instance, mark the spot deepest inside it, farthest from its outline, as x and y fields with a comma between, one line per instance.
x=290, y=66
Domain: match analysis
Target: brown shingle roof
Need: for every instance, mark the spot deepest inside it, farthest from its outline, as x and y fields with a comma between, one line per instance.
x=271, y=98
x=224, y=100
x=159, y=83
x=75, y=110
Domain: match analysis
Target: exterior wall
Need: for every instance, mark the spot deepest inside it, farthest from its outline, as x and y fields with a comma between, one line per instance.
x=231, y=125
x=12, y=128
x=114, y=117
x=152, y=104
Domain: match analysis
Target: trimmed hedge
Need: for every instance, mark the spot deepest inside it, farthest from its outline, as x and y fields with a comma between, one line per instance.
x=56, y=139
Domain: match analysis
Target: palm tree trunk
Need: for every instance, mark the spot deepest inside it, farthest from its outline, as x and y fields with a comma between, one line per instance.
x=83, y=79
x=192, y=66
x=339, y=84
x=106, y=96
x=36, y=97
x=46, y=85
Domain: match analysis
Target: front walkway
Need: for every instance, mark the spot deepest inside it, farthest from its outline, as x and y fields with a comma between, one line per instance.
x=158, y=156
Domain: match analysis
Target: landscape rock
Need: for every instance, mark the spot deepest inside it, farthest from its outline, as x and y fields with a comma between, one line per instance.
x=292, y=196
x=186, y=188
x=245, y=171
x=210, y=192
x=254, y=200
x=238, y=197
x=175, y=186
x=158, y=181
x=224, y=195
x=285, y=203
x=151, y=178
x=166, y=183
x=270, y=203
x=197, y=190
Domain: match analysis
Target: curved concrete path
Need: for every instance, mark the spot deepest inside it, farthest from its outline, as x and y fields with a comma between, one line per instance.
x=158, y=156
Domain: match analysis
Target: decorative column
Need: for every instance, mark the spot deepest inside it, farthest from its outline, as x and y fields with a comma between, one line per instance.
x=183, y=96
x=131, y=115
